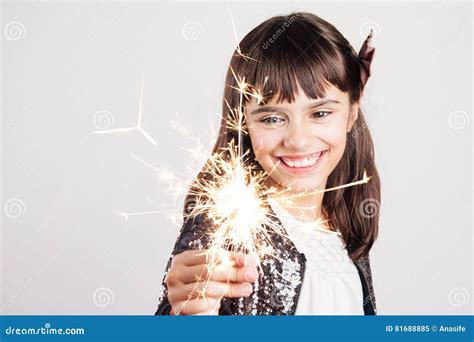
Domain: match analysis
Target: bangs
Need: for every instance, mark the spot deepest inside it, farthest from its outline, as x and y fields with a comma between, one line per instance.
x=289, y=54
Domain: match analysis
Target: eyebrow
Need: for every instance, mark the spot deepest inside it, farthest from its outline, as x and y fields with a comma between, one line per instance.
x=277, y=109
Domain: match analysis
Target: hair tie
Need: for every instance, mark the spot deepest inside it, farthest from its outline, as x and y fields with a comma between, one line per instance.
x=366, y=54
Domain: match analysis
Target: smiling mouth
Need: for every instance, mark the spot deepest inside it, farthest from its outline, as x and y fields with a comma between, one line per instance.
x=302, y=162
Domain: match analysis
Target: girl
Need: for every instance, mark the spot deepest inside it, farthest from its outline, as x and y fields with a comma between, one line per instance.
x=308, y=133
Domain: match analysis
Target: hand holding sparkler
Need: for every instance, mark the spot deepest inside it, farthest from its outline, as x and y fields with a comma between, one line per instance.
x=197, y=283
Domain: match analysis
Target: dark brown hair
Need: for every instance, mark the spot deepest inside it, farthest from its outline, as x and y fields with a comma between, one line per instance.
x=303, y=48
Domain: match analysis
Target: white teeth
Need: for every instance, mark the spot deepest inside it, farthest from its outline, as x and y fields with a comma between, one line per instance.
x=301, y=163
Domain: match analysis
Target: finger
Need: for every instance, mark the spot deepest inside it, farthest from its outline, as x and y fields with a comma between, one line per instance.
x=190, y=258
x=242, y=260
x=210, y=289
x=197, y=306
x=198, y=257
x=222, y=273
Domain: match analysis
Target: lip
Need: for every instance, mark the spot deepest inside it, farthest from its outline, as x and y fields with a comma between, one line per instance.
x=300, y=170
x=302, y=156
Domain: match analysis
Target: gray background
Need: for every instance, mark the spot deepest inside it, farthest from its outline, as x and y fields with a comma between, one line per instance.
x=71, y=68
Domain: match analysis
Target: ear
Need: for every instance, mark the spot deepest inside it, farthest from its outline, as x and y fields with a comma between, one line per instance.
x=353, y=115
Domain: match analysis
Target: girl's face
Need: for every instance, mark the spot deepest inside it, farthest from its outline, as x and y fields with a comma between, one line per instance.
x=299, y=144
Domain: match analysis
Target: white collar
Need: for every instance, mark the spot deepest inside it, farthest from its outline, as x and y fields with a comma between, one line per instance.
x=290, y=219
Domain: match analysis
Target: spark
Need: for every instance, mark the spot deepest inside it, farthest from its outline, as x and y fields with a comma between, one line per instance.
x=175, y=185
x=126, y=215
x=365, y=179
x=138, y=127
x=186, y=131
x=198, y=152
x=236, y=42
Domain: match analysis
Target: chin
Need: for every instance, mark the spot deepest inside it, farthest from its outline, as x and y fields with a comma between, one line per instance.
x=304, y=187
x=299, y=185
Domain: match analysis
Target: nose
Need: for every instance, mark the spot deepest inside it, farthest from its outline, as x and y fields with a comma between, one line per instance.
x=297, y=137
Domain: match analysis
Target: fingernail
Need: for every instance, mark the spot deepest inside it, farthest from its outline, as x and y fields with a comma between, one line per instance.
x=243, y=261
x=239, y=261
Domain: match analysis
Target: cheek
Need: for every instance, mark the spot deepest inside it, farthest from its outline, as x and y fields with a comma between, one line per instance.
x=336, y=140
x=263, y=142
x=335, y=135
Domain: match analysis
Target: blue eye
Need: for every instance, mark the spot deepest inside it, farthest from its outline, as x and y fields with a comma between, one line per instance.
x=272, y=120
x=324, y=114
